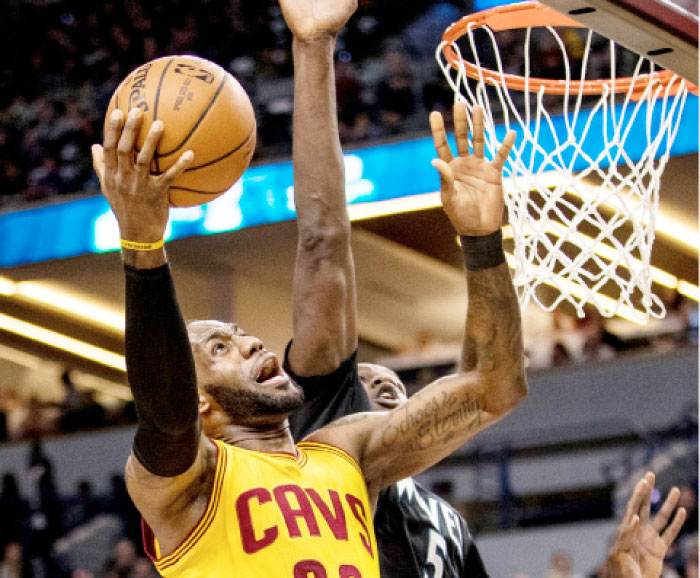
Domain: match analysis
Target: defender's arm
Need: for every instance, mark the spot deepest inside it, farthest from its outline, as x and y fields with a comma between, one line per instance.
x=448, y=412
x=324, y=279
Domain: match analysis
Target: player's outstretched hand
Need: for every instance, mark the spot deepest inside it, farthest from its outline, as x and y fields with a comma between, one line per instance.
x=641, y=542
x=310, y=19
x=471, y=186
x=138, y=198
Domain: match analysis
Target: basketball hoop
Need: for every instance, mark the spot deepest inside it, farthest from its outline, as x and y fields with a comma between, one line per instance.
x=582, y=192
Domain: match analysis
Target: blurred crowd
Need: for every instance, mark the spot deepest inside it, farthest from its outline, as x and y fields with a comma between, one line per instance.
x=25, y=416
x=55, y=88
x=40, y=533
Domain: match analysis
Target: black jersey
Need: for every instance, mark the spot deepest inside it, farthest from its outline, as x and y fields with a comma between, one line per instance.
x=419, y=535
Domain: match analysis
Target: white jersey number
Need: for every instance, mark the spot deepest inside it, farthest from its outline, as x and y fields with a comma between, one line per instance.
x=436, y=552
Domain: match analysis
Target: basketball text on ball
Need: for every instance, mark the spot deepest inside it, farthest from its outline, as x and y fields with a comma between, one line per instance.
x=137, y=96
x=203, y=109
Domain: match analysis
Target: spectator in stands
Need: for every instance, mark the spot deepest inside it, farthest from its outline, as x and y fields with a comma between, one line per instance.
x=80, y=410
x=118, y=503
x=41, y=419
x=16, y=414
x=395, y=99
x=561, y=565
x=354, y=121
x=44, y=181
x=599, y=343
x=143, y=568
x=12, y=176
x=14, y=512
x=82, y=507
x=122, y=561
x=14, y=564
x=46, y=519
x=689, y=501
x=689, y=547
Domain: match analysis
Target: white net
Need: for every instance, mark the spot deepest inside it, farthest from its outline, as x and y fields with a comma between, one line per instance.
x=583, y=179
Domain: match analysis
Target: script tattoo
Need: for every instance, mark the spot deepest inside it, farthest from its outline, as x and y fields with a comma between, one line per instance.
x=434, y=422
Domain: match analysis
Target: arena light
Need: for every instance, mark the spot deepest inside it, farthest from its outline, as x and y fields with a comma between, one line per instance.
x=79, y=306
x=62, y=342
x=689, y=290
x=7, y=286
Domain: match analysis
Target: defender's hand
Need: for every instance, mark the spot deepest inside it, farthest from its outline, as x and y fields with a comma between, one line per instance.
x=138, y=198
x=471, y=187
x=641, y=543
x=310, y=19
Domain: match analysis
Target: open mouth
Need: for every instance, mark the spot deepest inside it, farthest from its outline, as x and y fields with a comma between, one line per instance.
x=269, y=371
x=387, y=396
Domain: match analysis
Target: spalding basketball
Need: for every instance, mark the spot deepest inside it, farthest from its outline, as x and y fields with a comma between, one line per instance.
x=203, y=109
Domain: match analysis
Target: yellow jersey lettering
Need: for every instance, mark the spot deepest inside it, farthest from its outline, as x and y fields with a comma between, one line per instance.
x=309, y=569
x=291, y=514
x=251, y=544
x=336, y=519
x=358, y=510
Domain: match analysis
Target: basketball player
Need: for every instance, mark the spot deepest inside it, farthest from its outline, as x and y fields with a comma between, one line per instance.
x=418, y=533
x=214, y=470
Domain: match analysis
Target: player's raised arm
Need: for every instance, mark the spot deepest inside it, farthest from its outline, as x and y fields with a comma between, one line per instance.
x=324, y=279
x=448, y=412
x=169, y=453
x=472, y=197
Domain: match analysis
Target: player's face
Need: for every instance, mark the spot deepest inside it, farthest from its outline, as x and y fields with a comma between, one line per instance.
x=239, y=374
x=382, y=385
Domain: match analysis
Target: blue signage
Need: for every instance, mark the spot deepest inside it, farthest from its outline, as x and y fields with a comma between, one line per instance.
x=265, y=193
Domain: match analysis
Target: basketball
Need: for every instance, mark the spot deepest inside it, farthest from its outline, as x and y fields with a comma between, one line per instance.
x=203, y=109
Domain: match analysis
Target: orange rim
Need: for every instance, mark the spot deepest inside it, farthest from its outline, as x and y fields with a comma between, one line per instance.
x=532, y=15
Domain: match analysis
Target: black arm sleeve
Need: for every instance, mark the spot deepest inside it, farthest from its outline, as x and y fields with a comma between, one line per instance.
x=327, y=397
x=161, y=373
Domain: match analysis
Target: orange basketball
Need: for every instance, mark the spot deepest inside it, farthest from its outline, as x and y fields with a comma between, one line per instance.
x=203, y=109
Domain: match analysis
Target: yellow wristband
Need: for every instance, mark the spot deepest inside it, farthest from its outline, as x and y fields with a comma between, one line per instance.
x=135, y=246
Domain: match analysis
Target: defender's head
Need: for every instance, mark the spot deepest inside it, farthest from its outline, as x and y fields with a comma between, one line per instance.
x=240, y=382
x=383, y=386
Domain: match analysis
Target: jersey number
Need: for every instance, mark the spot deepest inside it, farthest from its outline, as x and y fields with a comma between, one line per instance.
x=314, y=569
x=436, y=551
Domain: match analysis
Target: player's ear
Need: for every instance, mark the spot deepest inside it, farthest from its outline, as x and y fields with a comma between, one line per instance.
x=204, y=405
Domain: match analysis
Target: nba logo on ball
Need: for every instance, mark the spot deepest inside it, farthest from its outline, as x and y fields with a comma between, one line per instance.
x=192, y=71
x=203, y=109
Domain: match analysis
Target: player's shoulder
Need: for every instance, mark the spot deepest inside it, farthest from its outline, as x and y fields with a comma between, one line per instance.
x=349, y=433
x=345, y=431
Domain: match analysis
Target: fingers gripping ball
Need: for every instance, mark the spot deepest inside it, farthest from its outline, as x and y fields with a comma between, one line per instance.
x=203, y=109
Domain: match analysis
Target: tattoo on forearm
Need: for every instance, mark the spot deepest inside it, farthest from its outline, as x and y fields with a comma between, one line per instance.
x=493, y=340
x=433, y=423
